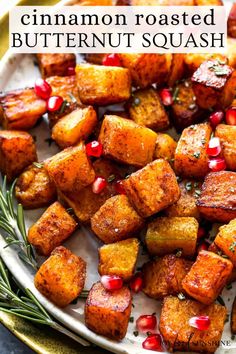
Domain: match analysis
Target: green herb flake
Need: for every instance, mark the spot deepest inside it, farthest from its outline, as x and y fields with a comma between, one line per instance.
x=175, y=94
x=179, y=253
x=192, y=106
x=135, y=333
x=38, y=164
x=63, y=106
x=220, y=300
x=188, y=186
x=232, y=247
x=197, y=193
x=197, y=154
x=131, y=319
x=111, y=178
x=72, y=97
x=136, y=101
x=181, y=296
x=203, y=141
x=219, y=70
x=229, y=286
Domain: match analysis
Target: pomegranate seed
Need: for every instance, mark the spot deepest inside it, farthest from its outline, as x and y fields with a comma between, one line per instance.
x=119, y=188
x=200, y=322
x=54, y=103
x=166, y=97
x=112, y=282
x=202, y=247
x=217, y=164
x=146, y=323
x=214, y=148
x=153, y=342
x=201, y=233
x=216, y=118
x=136, y=283
x=94, y=148
x=42, y=89
x=111, y=60
x=98, y=185
x=71, y=71
x=230, y=116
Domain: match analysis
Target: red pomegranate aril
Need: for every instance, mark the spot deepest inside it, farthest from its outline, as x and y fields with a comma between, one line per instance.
x=98, y=185
x=217, y=164
x=202, y=247
x=201, y=233
x=136, y=284
x=54, y=103
x=200, y=322
x=112, y=282
x=166, y=97
x=42, y=89
x=119, y=188
x=214, y=148
x=146, y=323
x=216, y=118
x=94, y=148
x=71, y=71
x=153, y=342
x=111, y=60
x=230, y=116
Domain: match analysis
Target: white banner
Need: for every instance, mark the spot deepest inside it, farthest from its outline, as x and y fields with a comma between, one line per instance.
x=118, y=29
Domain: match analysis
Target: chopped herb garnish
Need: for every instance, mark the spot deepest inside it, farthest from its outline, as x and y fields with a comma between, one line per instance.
x=127, y=175
x=192, y=106
x=179, y=253
x=229, y=286
x=179, y=179
x=63, y=106
x=131, y=319
x=38, y=164
x=49, y=141
x=188, y=186
x=232, y=189
x=197, y=193
x=220, y=300
x=175, y=94
x=203, y=141
x=135, y=333
x=196, y=184
x=72, y=97
x=232, y=247
x=193, y=127
x=181, y=296
x=219, y=70
x=197, y=154
x=111, y=178
x=136, y=101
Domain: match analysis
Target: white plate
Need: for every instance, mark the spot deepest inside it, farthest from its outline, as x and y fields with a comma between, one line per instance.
x=18, y=72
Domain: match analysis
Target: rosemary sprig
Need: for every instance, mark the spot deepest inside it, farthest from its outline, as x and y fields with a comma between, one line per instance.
x=27, y=306
x=12, y=222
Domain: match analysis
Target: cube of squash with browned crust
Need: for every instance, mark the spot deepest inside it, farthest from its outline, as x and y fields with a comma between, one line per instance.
x=61, y=277
x=227, y=135
x=165, y=147
x=164, y=276
x=231, y=23
x=103, y=85
x=147, y=69
x=191, y=158
x=107, y=312
x=112, y=226
x=155, y=2
x=17, y=151
x=207, y=277
x=52, y=229
x=34, y=189
x=21, y=109
x=152, y=188
x=214, y=84
x=177, y=332
x=168, y=234
x=146, y=109
x=119, y=258
x=208, y=3
x=71, y=169
x=55, y=64
x=177, y=65
x=184, y=110
x=217, y=201
x=186, y=205
x=73, y=127
x=194, y=60
x=226, y=240
x=95, y=58
x=125, y=141
x=86, y=203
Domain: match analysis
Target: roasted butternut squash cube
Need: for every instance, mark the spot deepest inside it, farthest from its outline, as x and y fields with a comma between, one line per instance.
x=147, y=69
x=107, y=312
x=214, y=84
x=119, y=258
x=233, y=317
x=52, y=229
x=207, y=277
x=21, y=109
x=34, y=189
x=226, y=240
x=95, y=58
x=86, y=203
x=153, y=188
x=217, y=201
x=71, y=169
x=74, y=126
x=66, y=87
x=191, y=158
x=55, y=64
x=103, y=85
x=231, y=23
x=208, y=3
x=184, y=110
x=112, y=226
x=146, y=109
x=177, y=332
x=227, y=135
x=17, y=151
x=165, y=147
x=194, y=60
x=61, y=277
x=155, y=2
x=169, y=234
x=126, y=141
x=177, y=63
x=186, y=205
x=164, y=276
